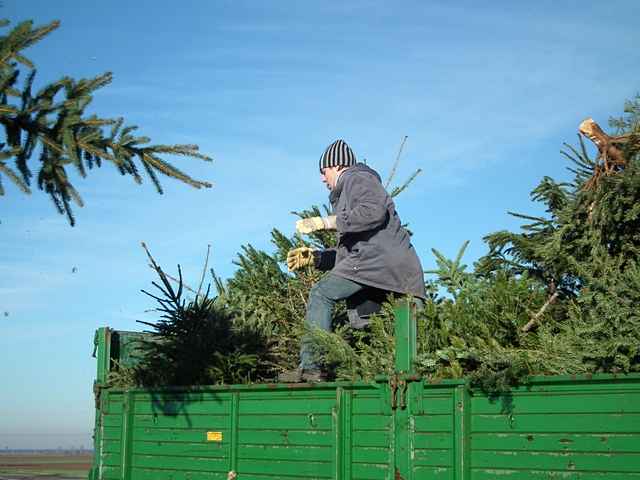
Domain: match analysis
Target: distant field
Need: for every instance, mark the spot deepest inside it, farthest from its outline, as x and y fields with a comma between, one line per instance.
x=50, y=466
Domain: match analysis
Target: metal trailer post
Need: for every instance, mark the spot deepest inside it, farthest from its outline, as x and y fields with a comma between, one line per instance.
x=403, y=387
x=102, y=352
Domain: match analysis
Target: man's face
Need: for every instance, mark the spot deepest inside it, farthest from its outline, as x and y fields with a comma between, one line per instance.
x=329, y=176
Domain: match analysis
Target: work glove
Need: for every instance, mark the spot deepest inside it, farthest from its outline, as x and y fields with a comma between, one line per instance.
x=300, y=257
x=314, y=224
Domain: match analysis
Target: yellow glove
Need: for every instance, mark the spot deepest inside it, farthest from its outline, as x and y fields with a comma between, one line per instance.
x=300, y=257
x=313, y=224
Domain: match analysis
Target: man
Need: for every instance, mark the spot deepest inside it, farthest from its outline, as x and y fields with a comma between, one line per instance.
x=373, y=254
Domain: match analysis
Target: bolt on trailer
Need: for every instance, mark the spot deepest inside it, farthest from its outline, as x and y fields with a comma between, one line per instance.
x=399, y=426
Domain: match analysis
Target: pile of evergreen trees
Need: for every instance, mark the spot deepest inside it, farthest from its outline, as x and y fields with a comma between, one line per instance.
x=560, y=296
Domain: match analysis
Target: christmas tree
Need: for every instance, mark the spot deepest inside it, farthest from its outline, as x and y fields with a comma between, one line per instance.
x=560, y=296
x=48, y=131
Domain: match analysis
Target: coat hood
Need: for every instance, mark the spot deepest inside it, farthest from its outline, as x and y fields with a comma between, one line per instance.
x=357, y=169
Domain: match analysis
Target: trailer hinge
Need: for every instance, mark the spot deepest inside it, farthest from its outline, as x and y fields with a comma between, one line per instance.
x=399, y=386
x=393, y=387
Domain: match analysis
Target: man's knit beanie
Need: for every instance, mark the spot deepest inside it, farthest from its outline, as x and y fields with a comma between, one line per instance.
x=338, y=153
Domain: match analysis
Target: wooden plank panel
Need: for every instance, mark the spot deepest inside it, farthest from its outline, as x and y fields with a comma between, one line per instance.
x=272, y=452
x=371, y=455
x=111, y=459
x=371, y=422
x=550, y=422
x=157, y=474
x=553, y=388
x=114, y=406
x=113, y=397
x=112, y=420
x=294, y=393
x=111, y=473
x=433, y=440
x=316, y=421
x=433, y=423
x=434, y=473
x=173, y=434
x=437, y=404
x=569, y=461
x=111, y=433
x=286, y=406
x=111, y=446
x=375, y=392
x=507, y=474
x=285, y=467
x=207, y=407
x=569, y=403
x=173, y=462
x=578, y=442
x=286, y=437
x=371, y=438
x=368, y=405
x=370, y=471
x=280, y=476
x=181, y=397
x=211, y=422
x=433, y=458
x=181, y=449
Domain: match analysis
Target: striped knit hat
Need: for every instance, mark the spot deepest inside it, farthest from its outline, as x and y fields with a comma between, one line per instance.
x=338, y=153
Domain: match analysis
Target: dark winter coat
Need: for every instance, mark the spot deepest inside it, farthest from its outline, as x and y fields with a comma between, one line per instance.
x=373, y=247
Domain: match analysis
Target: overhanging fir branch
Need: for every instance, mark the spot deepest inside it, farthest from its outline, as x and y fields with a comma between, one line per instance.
x=54, y=120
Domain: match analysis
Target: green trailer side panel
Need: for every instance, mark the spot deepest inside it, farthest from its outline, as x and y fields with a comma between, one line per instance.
x=396, y=428
x=304, y=432
x=433, y=434
x=586, y=429
x=305, y=412
x=369, y=452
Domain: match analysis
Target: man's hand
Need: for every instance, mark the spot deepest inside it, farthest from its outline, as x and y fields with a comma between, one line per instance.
x=314, y=224
x=300, y=257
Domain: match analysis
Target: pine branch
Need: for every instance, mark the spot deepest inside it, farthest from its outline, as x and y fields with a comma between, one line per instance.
x=541, y=220
x=19, y=182
x=186, y=150
x=168, y=169
x=398, y=190
x=66, y=135
x=153, y=177
x=22, y=37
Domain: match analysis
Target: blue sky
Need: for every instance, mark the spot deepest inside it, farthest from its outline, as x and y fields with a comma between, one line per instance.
x=486, y=94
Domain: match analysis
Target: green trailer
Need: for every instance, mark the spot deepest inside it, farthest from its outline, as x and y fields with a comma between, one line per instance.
x=396, y=427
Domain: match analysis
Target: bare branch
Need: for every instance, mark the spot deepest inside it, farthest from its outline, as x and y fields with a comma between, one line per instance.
x=175, y=280
x=204, y=270
x=534, y=320
x=395, y=164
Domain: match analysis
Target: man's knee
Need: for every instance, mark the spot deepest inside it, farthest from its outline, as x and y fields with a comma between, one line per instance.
x=317, y=292
x=333, y=288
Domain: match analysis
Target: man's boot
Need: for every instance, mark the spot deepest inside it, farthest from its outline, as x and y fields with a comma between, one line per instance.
x=290, y=376
x=313, y=376
x=299, y=375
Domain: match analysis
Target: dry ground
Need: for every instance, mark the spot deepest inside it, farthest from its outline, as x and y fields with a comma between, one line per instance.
x=49, y=466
